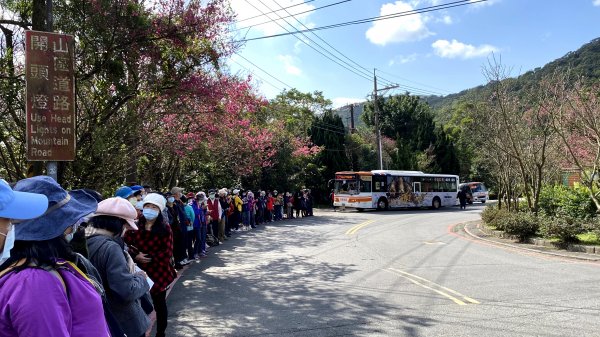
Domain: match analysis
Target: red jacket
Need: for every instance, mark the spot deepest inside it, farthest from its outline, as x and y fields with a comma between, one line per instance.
x=270, y=203
x=213, y=209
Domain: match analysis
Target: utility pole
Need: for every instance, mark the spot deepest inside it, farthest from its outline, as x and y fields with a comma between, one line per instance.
x=42, y=20
x=351, y=118
x=377, y=129
x=51, y=166
x=376, y=111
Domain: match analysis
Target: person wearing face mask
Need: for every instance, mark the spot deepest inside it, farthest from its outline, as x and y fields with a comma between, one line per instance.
x=128, y=193
x=200, y=225
x=42, y=288
x=152, y=248
x=214, y=211
x=18, y=206
x=123, y=284
x=176, y=223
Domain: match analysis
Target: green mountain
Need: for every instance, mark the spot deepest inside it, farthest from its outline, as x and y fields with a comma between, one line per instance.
x=583, y=62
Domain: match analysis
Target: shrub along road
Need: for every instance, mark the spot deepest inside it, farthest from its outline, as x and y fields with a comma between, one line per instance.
x=397, y=273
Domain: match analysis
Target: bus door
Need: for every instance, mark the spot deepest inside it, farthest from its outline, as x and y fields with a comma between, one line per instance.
x=417, y=187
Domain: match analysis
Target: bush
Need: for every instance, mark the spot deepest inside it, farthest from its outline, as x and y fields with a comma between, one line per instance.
x=492, y=216
x=562, y=200
x=489, y=214
x=521, y=224
x=563, y=228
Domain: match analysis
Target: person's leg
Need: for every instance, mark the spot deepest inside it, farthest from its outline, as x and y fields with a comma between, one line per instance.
x=222, y=229
x=184, y=241
x=160, y=307
x=196, y=242
x=190, y=246
x=203, y=230
x=252, y=219
x=215, y=230
x=178, y=245
x=228, y=222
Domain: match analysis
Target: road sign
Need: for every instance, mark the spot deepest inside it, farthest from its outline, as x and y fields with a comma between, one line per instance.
x=50, y=98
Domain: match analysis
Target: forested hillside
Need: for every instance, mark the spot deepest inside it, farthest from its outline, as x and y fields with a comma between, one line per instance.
x=583, y=62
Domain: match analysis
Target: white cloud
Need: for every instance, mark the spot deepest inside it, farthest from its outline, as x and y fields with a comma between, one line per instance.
x=447, y=19
x=339, y=102
x=454, y=49
x=596, y=3
x=401, y=29
x=401, y=59
x=250, y=9
x=288, y=63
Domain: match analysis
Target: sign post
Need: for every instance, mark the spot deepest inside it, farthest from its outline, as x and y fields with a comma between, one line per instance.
x=50, y=98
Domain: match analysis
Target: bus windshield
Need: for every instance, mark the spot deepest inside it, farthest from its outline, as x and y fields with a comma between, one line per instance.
x=346, y=187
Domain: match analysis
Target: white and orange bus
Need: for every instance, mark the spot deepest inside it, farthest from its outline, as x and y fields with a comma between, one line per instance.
x=385, y=189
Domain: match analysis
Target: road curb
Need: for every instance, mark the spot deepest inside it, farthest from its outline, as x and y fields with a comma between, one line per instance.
x=575, y=257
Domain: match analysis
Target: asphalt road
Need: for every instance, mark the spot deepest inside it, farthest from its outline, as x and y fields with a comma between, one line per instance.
x=397, y=273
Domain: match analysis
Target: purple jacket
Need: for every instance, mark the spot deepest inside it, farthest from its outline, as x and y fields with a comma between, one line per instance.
x=33, y=302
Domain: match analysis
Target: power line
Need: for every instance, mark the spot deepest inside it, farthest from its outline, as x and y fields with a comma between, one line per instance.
x=257, y=16
x=290, y=15
x=405, y=79
x=332, y=47
x=373, y=19
x=261, y=78
x=315, y=49
x=266, y=72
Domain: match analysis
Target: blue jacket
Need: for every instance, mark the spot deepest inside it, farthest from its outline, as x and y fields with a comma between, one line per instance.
x=200, y=215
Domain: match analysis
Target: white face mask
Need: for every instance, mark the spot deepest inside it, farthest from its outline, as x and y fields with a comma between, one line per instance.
x=69, y=237
x=9, y=243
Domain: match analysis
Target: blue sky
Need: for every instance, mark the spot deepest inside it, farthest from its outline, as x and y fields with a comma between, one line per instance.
x=439, y=52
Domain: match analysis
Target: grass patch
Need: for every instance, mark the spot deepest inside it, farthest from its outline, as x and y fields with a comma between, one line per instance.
x=589, y=238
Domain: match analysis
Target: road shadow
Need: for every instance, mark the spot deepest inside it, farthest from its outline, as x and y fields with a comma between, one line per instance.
x=261, y=283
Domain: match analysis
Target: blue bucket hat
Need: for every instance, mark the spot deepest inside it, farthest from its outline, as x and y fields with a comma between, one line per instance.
x=20, y=205
x=64, y=209
x=124, y=192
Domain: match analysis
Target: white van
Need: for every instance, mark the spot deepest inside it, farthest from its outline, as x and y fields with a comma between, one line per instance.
x=479, y=192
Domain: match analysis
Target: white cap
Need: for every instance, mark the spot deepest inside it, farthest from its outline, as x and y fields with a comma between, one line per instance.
x=157, y=200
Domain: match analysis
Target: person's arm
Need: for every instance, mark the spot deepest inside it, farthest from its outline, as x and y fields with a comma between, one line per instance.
x=125, y=285
x=31, y=316
x=189, y=212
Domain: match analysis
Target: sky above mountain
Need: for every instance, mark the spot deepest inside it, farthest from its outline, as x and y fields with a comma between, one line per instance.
x=422, y=46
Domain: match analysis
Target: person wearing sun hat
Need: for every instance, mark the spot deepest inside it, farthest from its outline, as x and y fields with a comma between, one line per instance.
x=41, y=271
x=151, y=246
x=128, y=193
x=125, y=286
x=18, y=206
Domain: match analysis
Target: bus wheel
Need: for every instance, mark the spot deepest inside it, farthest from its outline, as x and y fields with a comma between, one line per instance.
x=382, y=204
x=436, y=203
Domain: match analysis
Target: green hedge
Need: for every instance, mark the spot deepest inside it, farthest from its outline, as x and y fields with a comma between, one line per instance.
x=559, y=200
x=521, y=224
x=563, y=228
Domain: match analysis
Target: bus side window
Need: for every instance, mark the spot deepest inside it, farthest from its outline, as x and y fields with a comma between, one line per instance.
x=380, y=184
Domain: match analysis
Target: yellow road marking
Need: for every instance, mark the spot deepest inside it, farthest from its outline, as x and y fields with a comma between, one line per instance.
x=412, y=278
x=356, y=228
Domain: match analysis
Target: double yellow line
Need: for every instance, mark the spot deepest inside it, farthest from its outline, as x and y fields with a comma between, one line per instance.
x=456, y=297
x=356, y=228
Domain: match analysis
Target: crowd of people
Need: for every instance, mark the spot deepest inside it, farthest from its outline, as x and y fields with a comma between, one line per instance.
x=72, y=257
